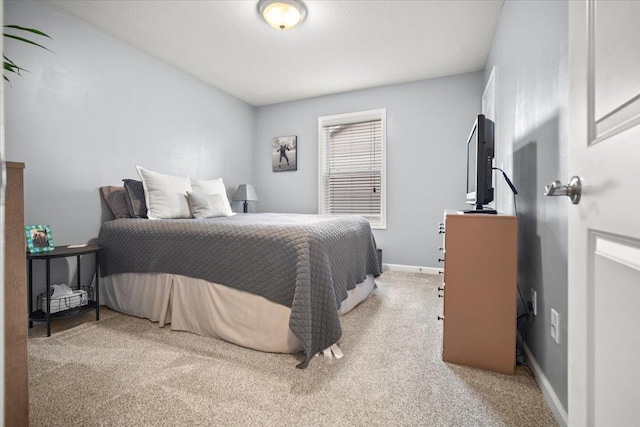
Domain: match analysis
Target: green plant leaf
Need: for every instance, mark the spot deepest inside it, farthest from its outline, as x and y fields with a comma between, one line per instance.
x=10, y=66
x=31, y=30
x=22, y=39
x=14, y=68
x=8, y=60
x=11, y=69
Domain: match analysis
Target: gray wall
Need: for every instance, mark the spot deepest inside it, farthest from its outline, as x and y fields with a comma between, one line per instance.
x=530, y=52
x=427, y=126
x=86, y=115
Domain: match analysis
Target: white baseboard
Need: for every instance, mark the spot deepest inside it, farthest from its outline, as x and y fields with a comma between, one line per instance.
x=410, y=268
x=559, y=412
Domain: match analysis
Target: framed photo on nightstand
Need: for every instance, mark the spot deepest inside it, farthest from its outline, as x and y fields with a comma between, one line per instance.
x=39, y=238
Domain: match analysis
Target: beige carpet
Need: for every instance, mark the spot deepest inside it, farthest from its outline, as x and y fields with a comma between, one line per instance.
x=125, y=371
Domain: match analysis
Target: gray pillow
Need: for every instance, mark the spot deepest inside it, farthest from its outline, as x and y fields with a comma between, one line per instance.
x=116, y=200
x=208, y=205
x=134, y=194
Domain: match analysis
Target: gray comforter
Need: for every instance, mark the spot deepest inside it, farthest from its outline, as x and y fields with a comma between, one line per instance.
x=305, y=262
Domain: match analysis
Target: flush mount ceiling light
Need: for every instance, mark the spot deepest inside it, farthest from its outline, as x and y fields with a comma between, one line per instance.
x=282, y=14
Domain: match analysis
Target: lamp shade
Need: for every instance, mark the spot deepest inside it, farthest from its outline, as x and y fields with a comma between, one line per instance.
x=245, y=192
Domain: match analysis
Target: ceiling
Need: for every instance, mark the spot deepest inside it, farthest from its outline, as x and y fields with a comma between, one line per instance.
x=342, y=45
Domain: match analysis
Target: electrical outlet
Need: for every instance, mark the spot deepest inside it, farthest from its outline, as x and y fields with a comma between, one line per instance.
x=555, y=325
x=534, y=302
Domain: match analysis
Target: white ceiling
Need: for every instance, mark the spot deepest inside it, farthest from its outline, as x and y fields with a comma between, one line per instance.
x=342, y=45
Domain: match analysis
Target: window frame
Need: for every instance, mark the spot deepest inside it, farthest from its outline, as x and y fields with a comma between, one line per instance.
x=348, y=118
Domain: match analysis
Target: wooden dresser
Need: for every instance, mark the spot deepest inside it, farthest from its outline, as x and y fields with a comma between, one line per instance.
x=480, y=285
x=16, y=396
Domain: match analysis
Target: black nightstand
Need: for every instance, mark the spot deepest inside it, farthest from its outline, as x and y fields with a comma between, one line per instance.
x=62, y=252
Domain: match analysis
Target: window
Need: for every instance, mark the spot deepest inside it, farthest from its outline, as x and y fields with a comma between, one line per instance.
x=352, y=165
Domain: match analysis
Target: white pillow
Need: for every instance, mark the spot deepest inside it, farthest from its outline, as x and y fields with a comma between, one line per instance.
x=212, y=186
x=208, y=186
x=166, y=195
x=208, y=205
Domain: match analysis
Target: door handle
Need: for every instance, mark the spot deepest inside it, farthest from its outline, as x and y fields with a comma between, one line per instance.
x=573, y=190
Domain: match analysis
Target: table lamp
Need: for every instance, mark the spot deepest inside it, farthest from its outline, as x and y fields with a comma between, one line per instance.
x=245, y=193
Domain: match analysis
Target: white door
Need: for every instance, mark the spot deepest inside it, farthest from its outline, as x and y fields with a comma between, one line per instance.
x=604, y=228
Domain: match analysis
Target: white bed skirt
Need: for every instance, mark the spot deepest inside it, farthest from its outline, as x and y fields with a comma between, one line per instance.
x=211, y=309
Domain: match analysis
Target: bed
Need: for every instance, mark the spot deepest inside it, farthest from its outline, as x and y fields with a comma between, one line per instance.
x=273, y=282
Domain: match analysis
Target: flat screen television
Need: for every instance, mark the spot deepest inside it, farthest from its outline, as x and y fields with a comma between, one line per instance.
x=480, y=153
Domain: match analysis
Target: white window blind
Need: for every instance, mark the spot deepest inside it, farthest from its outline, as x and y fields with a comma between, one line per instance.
x=352, y=166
